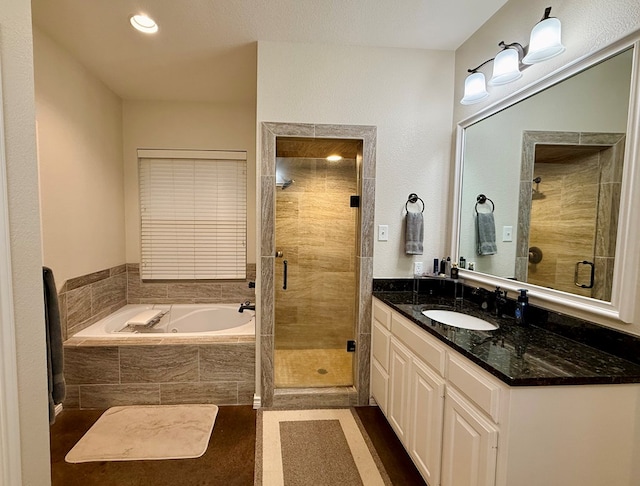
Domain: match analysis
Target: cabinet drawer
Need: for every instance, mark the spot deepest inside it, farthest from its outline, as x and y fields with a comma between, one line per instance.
x=484, y=392
x=424, y=346
x=382, y=313
x=380, y=338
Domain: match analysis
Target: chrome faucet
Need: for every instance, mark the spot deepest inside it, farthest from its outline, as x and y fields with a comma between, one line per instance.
x=246, y=305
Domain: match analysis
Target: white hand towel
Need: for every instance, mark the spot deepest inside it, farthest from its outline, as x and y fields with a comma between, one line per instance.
x=414, y=234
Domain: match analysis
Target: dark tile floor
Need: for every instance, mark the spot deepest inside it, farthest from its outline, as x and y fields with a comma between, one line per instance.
x=228, y=461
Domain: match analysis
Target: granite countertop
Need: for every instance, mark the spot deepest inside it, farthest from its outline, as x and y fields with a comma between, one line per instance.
x=517, y=355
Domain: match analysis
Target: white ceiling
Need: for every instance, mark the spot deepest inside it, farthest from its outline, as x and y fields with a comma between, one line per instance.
x=205, y=49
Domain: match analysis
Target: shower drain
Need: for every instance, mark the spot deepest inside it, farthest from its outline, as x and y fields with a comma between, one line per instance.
x=322, y=371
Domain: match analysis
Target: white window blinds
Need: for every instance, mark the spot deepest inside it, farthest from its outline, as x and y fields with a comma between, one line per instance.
x=193, y=216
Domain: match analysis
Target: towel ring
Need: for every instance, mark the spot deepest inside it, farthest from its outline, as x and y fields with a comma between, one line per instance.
x=413, y=198
x=482, y=199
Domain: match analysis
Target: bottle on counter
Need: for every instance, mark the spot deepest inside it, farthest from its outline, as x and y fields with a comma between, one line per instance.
x=454, y=271
x=521, y=307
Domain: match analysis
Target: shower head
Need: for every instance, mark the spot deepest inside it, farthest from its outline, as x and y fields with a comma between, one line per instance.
x=287, y=183
x=537, y=180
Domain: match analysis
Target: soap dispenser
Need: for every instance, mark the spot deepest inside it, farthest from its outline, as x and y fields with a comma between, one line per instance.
x=521, y=307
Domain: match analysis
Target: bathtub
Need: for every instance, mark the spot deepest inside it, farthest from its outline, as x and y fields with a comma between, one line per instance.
x=178, y=320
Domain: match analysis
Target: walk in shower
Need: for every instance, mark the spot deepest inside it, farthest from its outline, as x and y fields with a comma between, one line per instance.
x=316, y=238
x=324, y=213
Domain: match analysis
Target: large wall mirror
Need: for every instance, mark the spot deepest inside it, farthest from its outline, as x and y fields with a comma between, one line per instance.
x=556, y=165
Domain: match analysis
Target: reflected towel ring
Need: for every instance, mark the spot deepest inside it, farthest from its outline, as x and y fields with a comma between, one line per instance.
x=482, y=199
x=413, y=198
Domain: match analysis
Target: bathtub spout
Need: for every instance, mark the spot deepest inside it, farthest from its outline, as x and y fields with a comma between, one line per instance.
x=247, y=305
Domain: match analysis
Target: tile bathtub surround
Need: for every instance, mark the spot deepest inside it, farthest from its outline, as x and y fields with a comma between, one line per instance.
x=102, y=376
x=188, y=292
x=87, y=299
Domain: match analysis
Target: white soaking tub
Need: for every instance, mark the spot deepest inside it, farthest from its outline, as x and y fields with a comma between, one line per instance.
x=177, y=320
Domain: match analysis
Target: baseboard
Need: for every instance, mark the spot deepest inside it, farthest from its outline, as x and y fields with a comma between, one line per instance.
x=372, y=402
x=58, y=409
x=257, y=402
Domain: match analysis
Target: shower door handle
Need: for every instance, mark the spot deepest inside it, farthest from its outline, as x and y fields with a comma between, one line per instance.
x=284, y=285
x=575, y=277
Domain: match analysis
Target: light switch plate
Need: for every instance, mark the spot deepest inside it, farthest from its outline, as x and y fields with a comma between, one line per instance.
x=507, y=233
x=383, y=232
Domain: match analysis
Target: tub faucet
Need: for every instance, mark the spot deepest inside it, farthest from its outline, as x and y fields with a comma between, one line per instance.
x=246, y=305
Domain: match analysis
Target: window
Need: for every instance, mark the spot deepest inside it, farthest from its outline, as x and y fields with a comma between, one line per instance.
x=193, y=212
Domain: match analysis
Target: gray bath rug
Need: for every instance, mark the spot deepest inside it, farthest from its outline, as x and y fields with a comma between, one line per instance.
x=147, y=432
x=315, y=448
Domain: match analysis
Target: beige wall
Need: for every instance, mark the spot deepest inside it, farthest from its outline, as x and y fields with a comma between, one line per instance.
x=22, y=181
x=80, y=161
x=185, y=125
x=406, y=93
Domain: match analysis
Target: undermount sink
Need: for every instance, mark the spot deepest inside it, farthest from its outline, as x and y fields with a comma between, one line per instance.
x=457, y=319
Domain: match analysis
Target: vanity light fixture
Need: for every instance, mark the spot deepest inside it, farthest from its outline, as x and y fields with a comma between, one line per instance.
x=544, y=44
x=506, y=65
x=545, y=40
x=334, y=158
x=475, y=88
x=144, y=24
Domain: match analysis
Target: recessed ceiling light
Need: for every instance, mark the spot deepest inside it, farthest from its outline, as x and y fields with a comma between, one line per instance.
x=334, y=158
x=144, y=24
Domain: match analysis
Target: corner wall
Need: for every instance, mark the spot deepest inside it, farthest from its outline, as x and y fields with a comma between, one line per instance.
x=79, y=123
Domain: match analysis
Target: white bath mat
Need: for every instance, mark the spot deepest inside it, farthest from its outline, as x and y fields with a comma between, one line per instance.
x=147, y=432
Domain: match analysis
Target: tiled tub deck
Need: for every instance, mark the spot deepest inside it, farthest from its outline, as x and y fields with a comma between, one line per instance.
x=102, y=373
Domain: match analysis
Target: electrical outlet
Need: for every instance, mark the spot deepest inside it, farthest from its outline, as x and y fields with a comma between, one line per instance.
x=383, y=232
x=507, y=233
x=418, y=268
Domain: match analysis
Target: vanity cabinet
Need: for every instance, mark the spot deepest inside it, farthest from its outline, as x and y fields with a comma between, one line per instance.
x=463, y=426
x=380, y=348
x=397, y=404
x=426, y=406
x=470, y=444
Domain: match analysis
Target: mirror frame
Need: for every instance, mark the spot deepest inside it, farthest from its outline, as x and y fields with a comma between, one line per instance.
x=623, y=306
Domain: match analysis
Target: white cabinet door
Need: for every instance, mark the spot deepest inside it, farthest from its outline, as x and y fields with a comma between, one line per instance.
x=399, y=365
x=379, y=385
x=469, y=444
x=426, y=406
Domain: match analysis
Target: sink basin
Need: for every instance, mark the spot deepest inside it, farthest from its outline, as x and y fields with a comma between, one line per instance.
x=457, y=319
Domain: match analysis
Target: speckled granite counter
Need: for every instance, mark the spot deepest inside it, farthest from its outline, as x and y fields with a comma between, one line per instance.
x=517, y=355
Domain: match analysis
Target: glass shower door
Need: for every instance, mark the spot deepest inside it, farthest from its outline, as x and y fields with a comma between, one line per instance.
x=315, y=279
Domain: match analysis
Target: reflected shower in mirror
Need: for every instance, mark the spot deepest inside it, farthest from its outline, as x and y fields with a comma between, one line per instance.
x=553, y=165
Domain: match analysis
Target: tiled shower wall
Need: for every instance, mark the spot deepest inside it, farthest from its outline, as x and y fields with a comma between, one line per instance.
x=86, y=299
x=316, y=231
